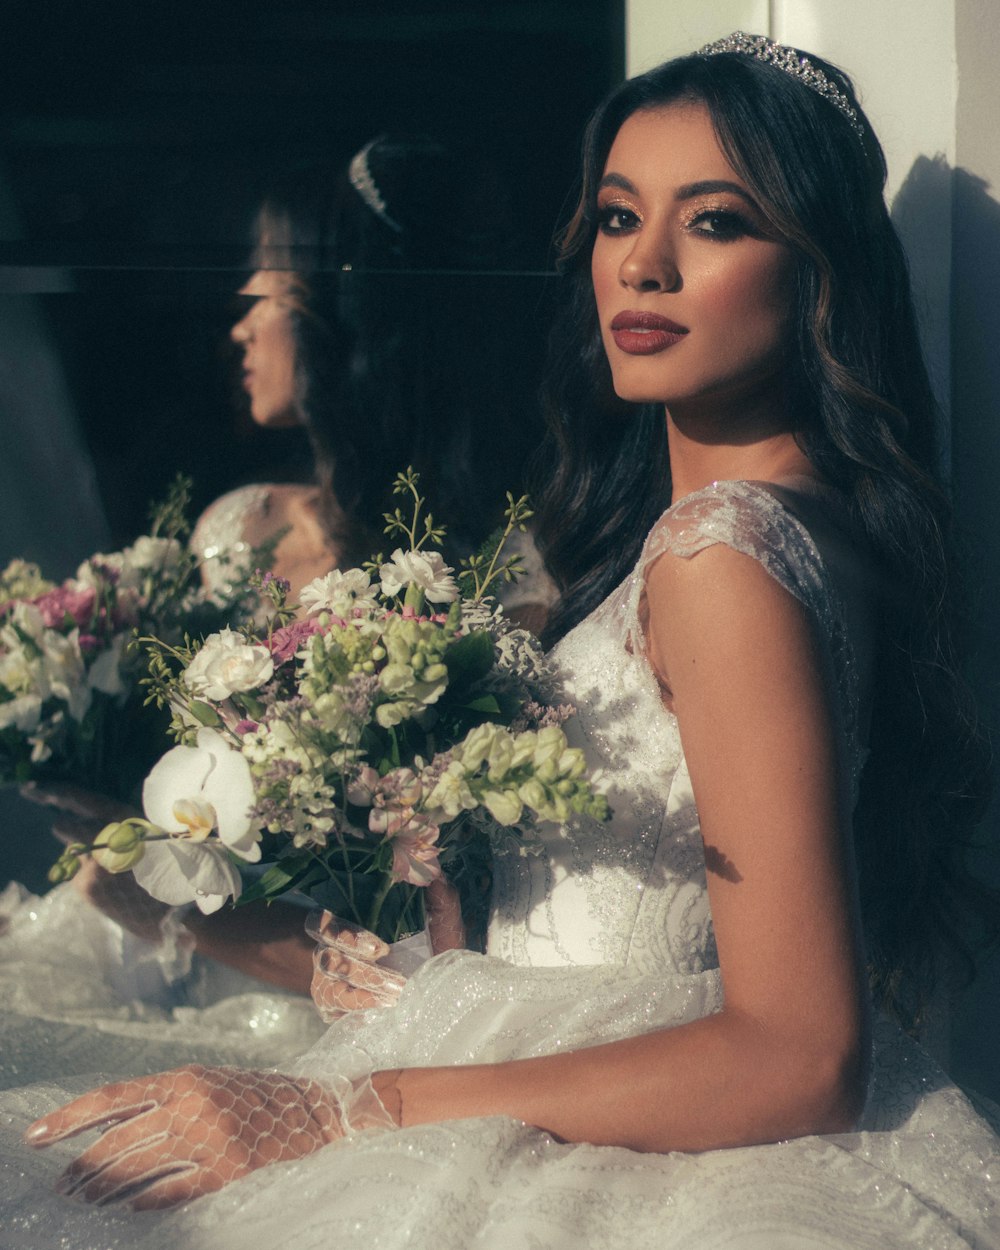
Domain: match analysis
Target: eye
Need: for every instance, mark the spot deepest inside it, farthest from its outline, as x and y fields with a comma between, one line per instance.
x=721, y=223
x=616, y=219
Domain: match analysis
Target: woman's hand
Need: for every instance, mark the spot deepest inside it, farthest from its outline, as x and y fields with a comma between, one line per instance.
x=349, y=972
x=346, y=973
x=169, y=1138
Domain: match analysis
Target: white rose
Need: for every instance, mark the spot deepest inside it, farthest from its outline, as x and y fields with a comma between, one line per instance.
x=425, y=569
x=227, y=663
x=340, y=593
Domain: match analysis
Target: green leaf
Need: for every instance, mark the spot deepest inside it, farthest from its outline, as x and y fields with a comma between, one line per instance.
x=204, y=714
x=485, y=703
x=469, y=657
x=277, y=879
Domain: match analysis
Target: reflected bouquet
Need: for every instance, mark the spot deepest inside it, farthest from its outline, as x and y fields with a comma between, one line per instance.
x=71, y=707
x=383, y=730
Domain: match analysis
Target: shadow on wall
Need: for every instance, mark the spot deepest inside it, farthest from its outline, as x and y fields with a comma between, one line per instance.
x=959, y=293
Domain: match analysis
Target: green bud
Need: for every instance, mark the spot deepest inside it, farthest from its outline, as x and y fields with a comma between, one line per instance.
x=123, y=837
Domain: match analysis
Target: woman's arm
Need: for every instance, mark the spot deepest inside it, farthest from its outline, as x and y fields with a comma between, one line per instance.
x=786, y=1055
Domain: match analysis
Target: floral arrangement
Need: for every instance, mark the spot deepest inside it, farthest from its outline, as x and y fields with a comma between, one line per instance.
x=71, y=706
x=355, y=750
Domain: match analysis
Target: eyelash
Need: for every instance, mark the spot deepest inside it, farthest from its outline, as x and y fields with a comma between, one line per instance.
x=728, y=225
x=733, y=225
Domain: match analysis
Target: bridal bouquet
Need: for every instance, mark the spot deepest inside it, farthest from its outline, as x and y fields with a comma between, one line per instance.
x=71, y=707
x=354, y=751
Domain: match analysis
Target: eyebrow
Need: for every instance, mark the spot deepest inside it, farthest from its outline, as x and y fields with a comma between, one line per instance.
x=689, y=191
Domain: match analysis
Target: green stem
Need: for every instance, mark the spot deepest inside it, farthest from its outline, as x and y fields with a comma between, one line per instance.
x=377, y=904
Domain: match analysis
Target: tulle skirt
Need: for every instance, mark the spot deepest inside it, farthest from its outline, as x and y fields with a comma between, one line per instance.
x=921, y=1171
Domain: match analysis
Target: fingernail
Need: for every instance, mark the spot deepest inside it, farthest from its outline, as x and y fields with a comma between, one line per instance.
x=35, y=1134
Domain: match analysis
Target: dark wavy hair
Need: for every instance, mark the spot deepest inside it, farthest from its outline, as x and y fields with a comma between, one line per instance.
x=868, y=425
x=406, y=336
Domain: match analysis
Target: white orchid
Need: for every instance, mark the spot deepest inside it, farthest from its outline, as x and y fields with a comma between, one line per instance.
x=191, y=793
x=341, y=593
x=423, y=569
x=228, y=664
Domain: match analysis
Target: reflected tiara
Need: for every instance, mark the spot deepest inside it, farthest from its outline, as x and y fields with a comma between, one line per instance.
x=360, y=177
x=789, y=61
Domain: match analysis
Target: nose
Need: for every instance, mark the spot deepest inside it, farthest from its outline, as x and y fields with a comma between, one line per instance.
x=242, y=331
x=650, y=265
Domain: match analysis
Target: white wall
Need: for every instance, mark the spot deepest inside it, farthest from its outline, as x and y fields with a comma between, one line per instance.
x=926, y=75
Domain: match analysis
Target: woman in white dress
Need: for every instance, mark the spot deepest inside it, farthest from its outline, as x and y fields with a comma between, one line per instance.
x=343, y=337
x=671, y=1040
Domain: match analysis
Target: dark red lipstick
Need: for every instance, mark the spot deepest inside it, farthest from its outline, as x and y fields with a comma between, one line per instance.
x=645, y=333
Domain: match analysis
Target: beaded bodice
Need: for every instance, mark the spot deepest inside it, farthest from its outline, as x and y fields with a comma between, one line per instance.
x=633, y=892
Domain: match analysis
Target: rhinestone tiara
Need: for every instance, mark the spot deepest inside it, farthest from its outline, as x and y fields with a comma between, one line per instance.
x=789, y=61
x=360, y=177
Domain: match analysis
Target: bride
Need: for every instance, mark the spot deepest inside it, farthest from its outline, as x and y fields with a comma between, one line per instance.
x=337, y=336
x=673, y=1039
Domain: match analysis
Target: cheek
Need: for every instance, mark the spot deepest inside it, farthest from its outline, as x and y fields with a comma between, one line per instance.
x=756, y=301
x=603, y=273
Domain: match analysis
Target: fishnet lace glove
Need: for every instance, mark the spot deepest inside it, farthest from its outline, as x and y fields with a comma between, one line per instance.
x=166, y=1139
x=353, y=969
x=347, y=975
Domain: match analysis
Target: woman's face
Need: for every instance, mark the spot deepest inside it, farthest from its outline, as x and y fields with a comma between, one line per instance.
x=694, y=293
x=265, y=335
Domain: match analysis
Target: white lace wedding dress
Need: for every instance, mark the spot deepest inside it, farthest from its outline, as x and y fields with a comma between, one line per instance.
x=605, y=934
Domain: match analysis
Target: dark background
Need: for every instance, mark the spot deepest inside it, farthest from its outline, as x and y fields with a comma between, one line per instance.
x=136, y=139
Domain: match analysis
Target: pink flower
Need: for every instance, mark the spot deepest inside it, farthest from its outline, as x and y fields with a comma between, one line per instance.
x=245, y=727
x=62, y=601
x=285, y=642
x=413, y=835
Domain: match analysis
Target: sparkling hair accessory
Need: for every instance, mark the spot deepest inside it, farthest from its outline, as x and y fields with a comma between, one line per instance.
x=360, y=177
x=790, y=62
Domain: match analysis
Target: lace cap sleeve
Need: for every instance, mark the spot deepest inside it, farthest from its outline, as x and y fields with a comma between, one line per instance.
x=219, y=538
x=747, y=517
x=750, y=518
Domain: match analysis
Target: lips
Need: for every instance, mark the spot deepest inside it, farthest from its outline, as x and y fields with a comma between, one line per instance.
x=645, y=333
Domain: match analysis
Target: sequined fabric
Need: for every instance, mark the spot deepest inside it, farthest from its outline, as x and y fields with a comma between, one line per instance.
x=605, y=934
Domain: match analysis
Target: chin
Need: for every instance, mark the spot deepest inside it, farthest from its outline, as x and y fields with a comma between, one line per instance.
x=269, y=420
